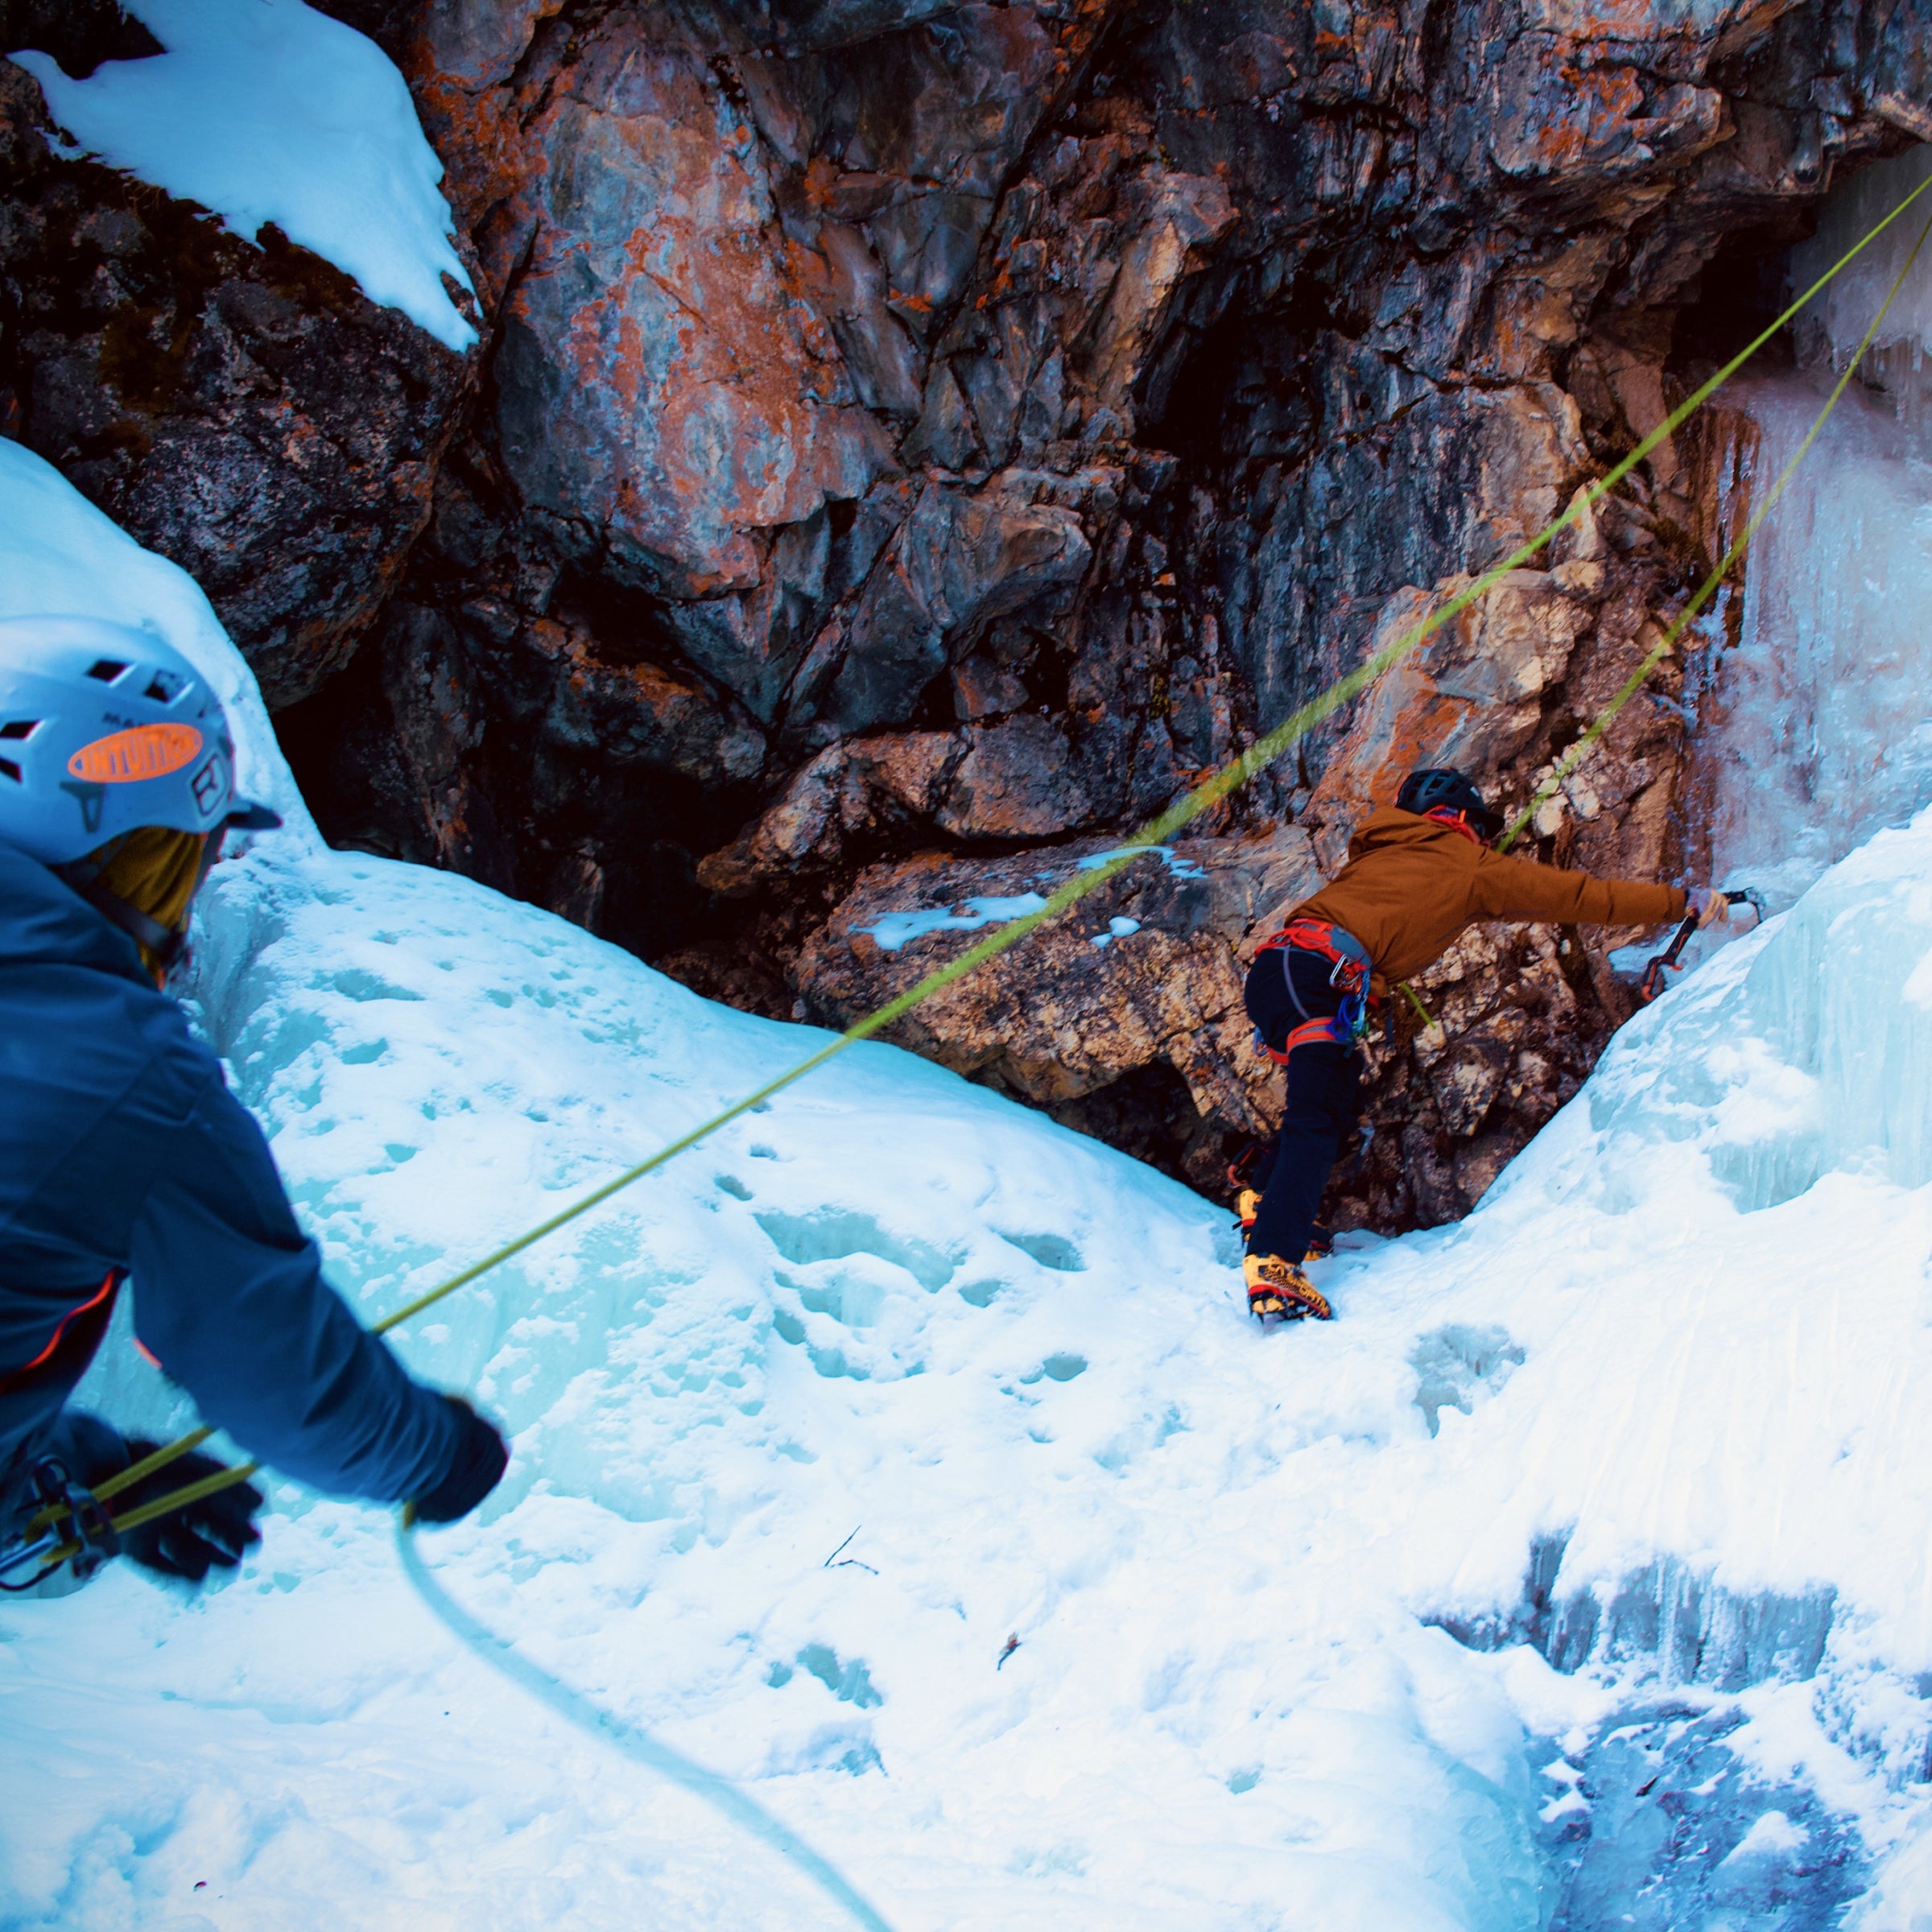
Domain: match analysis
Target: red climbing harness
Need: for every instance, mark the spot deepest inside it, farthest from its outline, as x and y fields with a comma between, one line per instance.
x=1348, y=972
x=1346, y=953
x=1310, y=1033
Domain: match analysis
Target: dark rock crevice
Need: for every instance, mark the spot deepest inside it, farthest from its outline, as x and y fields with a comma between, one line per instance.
x=79, y=33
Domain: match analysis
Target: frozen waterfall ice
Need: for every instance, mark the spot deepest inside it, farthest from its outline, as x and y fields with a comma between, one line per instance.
x=1816, y=726
x=1832, y=328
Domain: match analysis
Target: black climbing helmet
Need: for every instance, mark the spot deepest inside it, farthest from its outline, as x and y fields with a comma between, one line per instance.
x=1433, y=789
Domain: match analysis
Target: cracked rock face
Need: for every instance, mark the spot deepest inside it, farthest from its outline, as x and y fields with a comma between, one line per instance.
x=913, y=442
x=1139, y=988
x=1206, y=347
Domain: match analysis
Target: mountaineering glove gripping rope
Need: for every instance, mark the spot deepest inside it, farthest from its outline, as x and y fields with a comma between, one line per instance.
x=1158, y=831
x=183, y=1533
x=214, y=1531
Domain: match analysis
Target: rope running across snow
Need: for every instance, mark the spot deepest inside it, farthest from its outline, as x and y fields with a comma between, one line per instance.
x=1158, y=831
x=719, y=1792
x=735, y=1804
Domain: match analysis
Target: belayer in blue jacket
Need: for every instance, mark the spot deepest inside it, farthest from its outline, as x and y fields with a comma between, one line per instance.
x=125, y=1164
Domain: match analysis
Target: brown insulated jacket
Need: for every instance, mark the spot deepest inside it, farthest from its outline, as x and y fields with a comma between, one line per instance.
x=1412, y=884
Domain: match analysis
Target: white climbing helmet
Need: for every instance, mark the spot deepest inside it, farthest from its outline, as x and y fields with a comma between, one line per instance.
x=103, y=729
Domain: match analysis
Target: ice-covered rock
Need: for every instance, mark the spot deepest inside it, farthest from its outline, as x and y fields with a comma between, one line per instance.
x=1837, y=323
x=247, y=410
x=1815, y=725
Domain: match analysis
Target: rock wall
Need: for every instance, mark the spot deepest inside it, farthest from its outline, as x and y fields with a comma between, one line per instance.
x=912, y=440
x=244, y=410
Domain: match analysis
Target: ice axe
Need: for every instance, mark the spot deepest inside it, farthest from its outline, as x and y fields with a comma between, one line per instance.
x=1652, y=983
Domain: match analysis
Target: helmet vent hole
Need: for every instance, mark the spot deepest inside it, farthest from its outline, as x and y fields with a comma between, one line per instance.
x=9, y=769
x=162, y=688
x=106, y=669
x=19, y=727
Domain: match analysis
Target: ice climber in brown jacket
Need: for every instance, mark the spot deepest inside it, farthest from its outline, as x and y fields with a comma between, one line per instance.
x=1418, y=872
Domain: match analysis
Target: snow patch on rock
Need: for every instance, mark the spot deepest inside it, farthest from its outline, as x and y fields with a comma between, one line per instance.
x=266, y=110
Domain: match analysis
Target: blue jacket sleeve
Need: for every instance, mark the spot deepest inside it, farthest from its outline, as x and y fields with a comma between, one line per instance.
x=229, y=1298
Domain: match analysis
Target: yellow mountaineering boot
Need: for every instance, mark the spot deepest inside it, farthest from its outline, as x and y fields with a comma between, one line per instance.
x=1248, y=1204
x=1278, y=1288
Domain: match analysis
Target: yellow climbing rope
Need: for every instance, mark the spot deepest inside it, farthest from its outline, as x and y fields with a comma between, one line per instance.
x=1158, y=831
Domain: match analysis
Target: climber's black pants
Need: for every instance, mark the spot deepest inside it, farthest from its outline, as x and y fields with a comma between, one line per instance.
x=1324, y=1096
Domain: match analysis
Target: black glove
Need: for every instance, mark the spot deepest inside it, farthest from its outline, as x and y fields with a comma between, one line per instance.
x=480, y=1459
x=188, y=1541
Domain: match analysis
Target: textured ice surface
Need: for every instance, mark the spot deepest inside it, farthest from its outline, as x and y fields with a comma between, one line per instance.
x=1014, y=1364
x=1836, y=323
x=1009, y=1360
x=266, y=110
x=1818, y=726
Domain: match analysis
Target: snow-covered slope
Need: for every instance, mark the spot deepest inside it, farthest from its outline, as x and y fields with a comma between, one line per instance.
x=813, y=1422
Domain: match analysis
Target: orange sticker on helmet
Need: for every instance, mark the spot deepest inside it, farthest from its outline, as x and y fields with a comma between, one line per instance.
x=147, y=751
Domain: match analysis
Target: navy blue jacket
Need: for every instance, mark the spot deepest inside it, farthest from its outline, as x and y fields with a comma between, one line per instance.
x=121, y=1149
